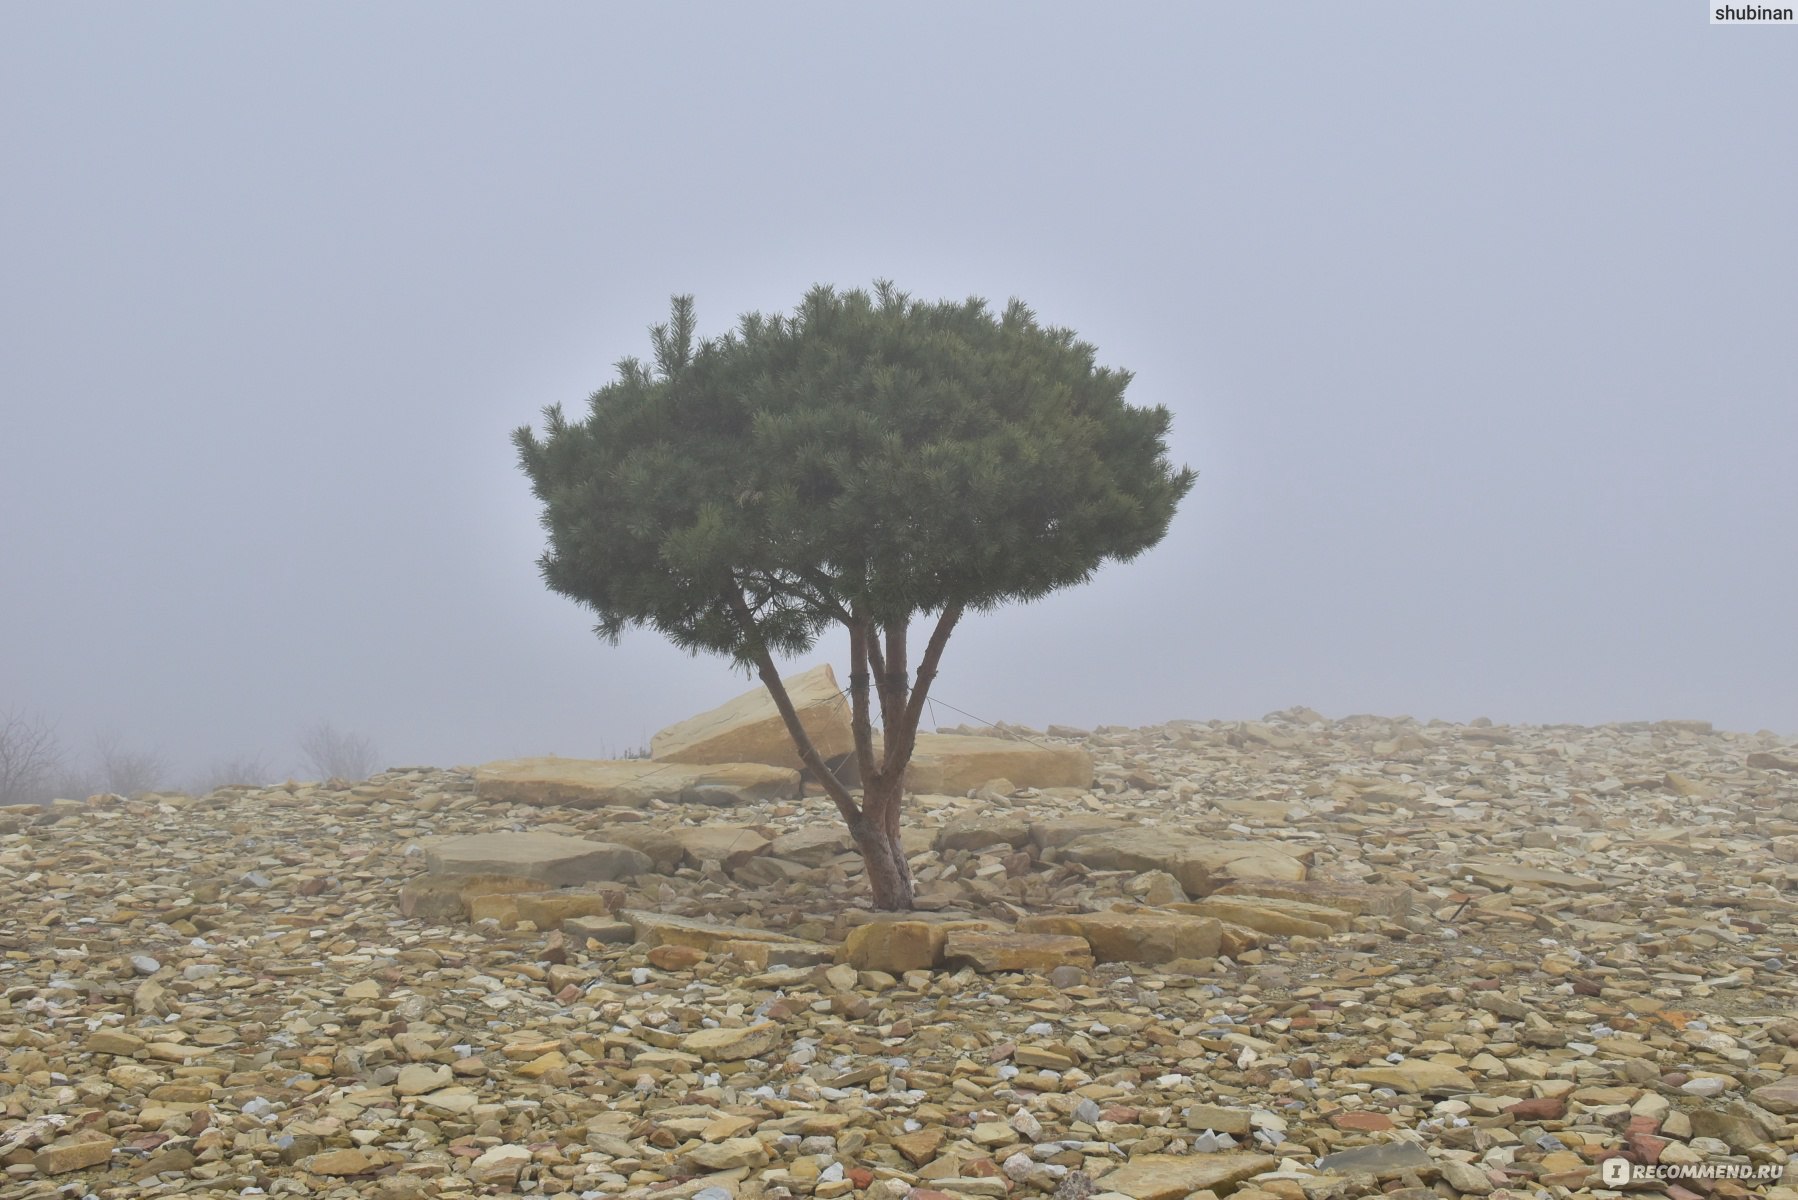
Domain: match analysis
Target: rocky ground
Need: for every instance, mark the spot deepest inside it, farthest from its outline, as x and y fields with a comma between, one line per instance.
x=1427, y=960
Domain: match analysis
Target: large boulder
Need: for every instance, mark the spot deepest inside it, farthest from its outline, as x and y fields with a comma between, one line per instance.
x=627, y=783
x=749, y=729
x=909, y=942
x=954, y=764
x=555, y=858
x=1201, y=864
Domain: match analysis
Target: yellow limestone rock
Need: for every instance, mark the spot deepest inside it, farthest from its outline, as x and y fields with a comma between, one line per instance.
x=1141, y=937
x=74, y=1153
x=626, y=783
x=1421, y=1077
x=1171, y=1176
x=1275, y=916
x=733, y=1045
x=666, y=929
x=909, y=942
x=954, y=764
x=993, y=951
x=1201, y=864
x=749, y=729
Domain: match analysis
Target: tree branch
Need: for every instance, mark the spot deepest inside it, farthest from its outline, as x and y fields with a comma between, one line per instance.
x=817, y=598
x=892, y=691
x=933, y=653
x=808, y=753
x=860, y=723
x=877, y=664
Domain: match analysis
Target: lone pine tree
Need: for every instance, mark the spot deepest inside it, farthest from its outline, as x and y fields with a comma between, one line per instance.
x=867, y=460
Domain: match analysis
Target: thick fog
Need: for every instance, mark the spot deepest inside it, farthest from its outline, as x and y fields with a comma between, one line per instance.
x=1478, y=324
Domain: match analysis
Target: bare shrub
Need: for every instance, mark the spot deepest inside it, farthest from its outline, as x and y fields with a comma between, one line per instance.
x=75, y=781
x=329, y=754
x=126, y=770
x=245, y=770
x=30, y=755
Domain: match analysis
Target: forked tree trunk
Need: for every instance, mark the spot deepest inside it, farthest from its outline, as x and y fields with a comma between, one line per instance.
x=874, y=822
x=883, y=852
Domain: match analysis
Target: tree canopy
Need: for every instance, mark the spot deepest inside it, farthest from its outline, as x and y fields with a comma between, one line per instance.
x=867, y=453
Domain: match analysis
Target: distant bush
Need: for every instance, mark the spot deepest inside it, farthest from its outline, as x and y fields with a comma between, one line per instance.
x=30, y=756
x=247, y=770
x=125, y=770
x=328, y=754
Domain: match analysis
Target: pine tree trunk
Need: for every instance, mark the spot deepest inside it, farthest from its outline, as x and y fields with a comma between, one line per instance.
x=883, y=853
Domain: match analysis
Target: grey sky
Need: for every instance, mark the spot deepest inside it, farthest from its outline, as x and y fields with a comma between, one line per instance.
x=1478, y=323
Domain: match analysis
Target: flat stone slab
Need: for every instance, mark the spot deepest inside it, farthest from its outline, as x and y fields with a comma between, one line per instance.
x=1421, y=1078
x=1171, y=1176
x=733, y=1045
x=1269, y=812
x=1201, y=865
x=1003, y=950
x=897, y=944
x=627, y=783
x=813, y=847
x=1377, y=1159
x=749, y=729
x=661, y=929
x=1503, y=875
x=955, y=764
x=1779, y=1097
x=1267, y=914
x=1140, y=937
x=728, y=845
x=555, y=858
x=446, y=897
x=1356, y=899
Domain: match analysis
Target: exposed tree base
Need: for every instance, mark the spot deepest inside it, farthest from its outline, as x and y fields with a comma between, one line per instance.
x=889, y=875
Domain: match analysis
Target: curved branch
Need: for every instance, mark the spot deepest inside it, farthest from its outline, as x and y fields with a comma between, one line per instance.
x=933, y=653
x=808, y=753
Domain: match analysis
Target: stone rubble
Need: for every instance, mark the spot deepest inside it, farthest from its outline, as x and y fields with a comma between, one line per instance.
x=1287, y=959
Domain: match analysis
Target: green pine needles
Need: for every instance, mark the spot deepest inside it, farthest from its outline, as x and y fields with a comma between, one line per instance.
x=865, y=460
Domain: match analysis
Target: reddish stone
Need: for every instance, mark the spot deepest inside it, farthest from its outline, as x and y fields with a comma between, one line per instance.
x=1649, y=1125
x=1646, y=1147
x=1361, y=1121
x=861, y=1177
x=1123, y=1114
x=676, y=958
x=1539, y=1108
